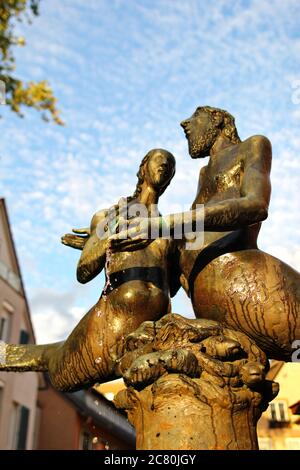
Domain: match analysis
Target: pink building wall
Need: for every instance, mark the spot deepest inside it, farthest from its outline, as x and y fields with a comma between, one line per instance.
x=15, y=389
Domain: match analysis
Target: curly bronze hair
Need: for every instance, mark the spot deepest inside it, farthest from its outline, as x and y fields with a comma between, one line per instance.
x=226, y=120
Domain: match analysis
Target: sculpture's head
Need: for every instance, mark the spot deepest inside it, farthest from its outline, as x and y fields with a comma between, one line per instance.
x=157, y=169
x=252, y=373
x=205, y=126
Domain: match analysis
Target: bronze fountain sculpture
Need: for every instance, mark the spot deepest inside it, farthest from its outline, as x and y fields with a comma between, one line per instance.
x=247, y=302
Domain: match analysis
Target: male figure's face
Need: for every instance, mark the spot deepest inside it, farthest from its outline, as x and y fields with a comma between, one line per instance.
x=160, y=169
x=200, y=132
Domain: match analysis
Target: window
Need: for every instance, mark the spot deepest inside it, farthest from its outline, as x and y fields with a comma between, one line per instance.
x=13, y=426
x=86, y=441
x=5, y=320
x=9, y=276
x=14, y=281
x=22, y=428
x=24, y=337
x=1, y=398
x=3, y=271
x=37, y=426
x=279, y=412
x=19, y=427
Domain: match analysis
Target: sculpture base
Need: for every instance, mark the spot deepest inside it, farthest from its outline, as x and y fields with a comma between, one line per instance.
x=207, y=394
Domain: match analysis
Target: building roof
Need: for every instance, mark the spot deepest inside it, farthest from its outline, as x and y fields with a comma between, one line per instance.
x=275, y=367
x=104, y=414
x=92, y=403
x=295, y=408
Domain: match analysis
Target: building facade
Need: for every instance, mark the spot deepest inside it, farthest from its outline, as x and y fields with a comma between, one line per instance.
x=33, y=415
x=18, y=392
x=279, y=426
x=83, y=420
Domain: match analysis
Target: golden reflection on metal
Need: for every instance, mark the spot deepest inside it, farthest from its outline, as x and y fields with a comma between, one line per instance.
x=229, y=279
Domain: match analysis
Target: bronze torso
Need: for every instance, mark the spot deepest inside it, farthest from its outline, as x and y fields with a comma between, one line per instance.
x=139, y=280
x=220, y=180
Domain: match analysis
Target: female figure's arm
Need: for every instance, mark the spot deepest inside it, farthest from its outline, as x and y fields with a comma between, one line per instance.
x=92, y=259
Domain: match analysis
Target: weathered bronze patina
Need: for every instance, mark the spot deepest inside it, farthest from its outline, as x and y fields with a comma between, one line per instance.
x=194, y=384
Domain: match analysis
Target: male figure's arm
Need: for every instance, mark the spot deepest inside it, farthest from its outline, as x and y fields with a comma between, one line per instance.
x=252, y=206
x=231, y=214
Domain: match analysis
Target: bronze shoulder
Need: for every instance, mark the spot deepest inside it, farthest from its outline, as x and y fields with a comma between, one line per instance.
x=260, y=149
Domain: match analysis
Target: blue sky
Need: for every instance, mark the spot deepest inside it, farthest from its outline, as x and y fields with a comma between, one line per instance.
x=126, y=72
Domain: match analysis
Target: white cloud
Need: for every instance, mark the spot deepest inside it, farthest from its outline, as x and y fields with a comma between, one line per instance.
x=55, y=313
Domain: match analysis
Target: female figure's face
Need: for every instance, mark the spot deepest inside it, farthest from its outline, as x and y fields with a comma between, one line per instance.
x=160, y=169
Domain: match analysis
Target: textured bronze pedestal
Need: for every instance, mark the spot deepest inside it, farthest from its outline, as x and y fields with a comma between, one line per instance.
x=192, y=384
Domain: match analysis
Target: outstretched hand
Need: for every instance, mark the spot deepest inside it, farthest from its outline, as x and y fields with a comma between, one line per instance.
x=76, y=241
x=137, y=236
